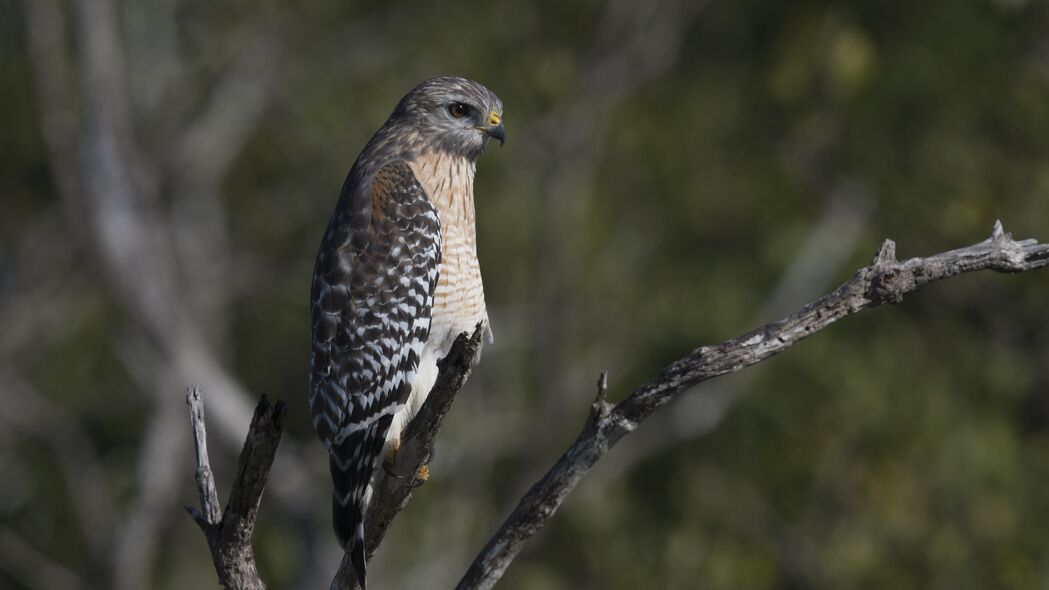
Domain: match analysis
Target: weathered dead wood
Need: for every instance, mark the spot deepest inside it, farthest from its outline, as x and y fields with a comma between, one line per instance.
x=229, y=531
x=885, y=280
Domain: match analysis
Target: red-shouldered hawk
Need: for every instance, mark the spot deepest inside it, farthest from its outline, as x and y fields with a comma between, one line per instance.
x=395, y=281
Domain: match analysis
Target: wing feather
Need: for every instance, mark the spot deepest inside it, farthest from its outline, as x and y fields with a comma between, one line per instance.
x=372, y=295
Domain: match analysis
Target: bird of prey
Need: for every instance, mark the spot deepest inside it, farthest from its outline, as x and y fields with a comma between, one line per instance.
x=395, y=281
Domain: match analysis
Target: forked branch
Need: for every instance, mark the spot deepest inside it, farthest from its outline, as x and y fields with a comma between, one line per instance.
x=229, y=532
x=884, y=281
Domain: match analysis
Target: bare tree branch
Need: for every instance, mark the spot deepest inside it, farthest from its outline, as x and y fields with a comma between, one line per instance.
x=110, y=178
x=45, y=41
x=393, y=493
x=109, y=195
x=884, y=281
x=637, y=43
x=813, y=266
x=233, y=108
x=229, y=532
x=110, y=200
x=209, y=495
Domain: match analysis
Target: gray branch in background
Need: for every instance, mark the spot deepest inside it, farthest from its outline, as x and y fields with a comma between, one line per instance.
x=885, y=280
x=637, y=43
x=109, y=190
x=25, y=411
x=33, y=568
x=822, y=256
x=111, y=179
x=201, y=160
x=229, y=531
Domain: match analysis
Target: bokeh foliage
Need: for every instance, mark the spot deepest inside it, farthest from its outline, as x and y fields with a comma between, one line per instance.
x=905, y=448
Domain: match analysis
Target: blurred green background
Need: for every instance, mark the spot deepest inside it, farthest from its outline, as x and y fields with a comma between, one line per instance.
x=676, y=173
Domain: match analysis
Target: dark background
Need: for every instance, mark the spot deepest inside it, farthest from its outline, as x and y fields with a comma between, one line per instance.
x=675, y=174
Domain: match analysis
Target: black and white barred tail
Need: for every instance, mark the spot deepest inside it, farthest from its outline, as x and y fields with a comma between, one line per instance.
x=353, y=461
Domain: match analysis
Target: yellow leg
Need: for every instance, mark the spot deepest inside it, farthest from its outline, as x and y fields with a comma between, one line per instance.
x=423, y=474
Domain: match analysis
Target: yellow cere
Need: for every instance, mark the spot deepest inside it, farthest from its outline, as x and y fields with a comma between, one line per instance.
x=494, y=119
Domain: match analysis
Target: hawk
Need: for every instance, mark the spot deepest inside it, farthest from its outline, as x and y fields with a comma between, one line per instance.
x=395, y=281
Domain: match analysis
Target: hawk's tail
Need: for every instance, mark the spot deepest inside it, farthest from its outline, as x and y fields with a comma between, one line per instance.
x=349, y=528
x=352, y=463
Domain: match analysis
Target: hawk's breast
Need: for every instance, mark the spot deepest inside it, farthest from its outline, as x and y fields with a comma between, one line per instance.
x=459, y=298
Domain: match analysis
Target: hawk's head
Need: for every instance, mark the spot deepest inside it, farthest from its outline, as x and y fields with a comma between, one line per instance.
x=452, y=114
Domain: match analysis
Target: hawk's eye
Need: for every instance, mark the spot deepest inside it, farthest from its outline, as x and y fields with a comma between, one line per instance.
x=459, y=110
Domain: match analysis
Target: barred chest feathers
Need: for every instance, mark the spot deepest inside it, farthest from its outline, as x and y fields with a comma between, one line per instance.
x=459, y=297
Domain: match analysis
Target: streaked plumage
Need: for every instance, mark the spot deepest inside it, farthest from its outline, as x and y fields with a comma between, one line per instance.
x=395, y=280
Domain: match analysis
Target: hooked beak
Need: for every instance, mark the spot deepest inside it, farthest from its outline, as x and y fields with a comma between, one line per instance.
x=495, y=128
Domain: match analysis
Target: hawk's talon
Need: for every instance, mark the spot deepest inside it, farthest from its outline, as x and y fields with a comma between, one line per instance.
x=421, y=477
x=388, y=468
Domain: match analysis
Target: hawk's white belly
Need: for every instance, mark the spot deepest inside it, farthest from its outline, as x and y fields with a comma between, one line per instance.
x=458, y=306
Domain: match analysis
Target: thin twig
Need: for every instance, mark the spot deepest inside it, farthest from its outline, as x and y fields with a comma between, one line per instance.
x=884, y=281
x=810, y=271
x=209, y=495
